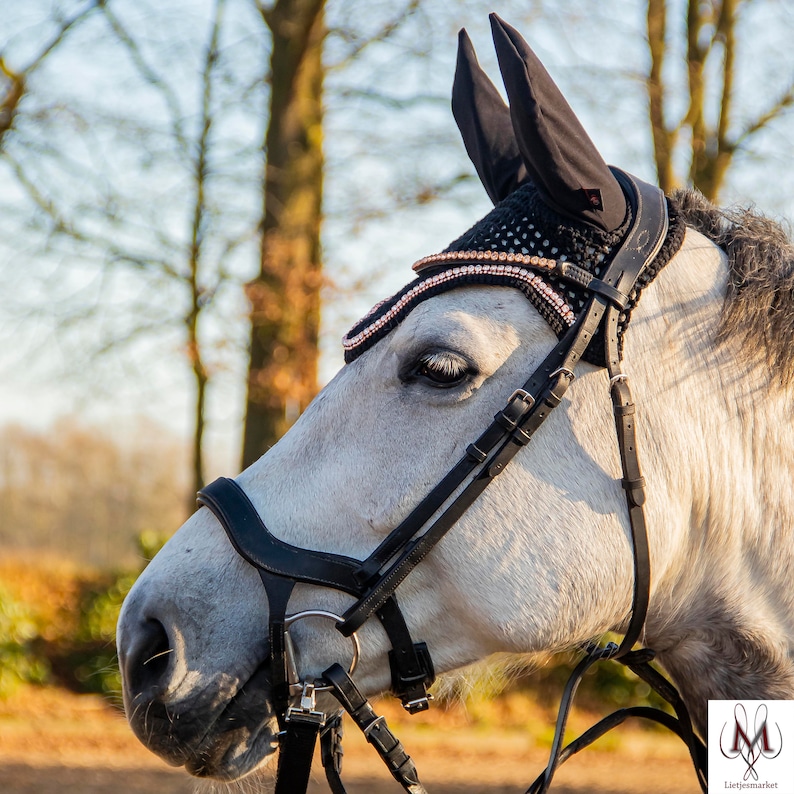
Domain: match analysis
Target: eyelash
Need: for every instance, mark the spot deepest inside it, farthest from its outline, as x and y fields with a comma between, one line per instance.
x=442, y=370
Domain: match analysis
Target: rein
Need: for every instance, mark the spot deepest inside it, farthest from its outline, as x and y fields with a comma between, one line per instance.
x=373, y=582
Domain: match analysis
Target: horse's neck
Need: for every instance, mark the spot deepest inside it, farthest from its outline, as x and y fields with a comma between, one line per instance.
x=718, y=433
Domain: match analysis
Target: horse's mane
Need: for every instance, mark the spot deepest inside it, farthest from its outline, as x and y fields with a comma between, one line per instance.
x=759, y=306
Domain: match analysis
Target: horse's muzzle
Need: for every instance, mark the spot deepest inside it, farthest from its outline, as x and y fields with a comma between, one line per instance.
x=221, y=729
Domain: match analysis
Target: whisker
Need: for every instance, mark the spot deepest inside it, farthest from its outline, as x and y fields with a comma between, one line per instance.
x=158, y=655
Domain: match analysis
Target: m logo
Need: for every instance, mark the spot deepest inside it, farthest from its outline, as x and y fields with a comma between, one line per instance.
x=745, y=739
x=750, y=750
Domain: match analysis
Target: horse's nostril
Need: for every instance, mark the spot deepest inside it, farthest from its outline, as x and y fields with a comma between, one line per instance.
x=146, y=664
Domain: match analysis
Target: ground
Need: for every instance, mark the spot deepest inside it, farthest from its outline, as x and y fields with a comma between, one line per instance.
x=55, y=741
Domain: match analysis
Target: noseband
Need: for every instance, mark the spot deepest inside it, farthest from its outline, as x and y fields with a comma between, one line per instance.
x=373, y=582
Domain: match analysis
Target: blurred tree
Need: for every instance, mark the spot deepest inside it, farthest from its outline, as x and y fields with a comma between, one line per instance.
x=285, y=297
x=14, y=77
x=708, y=127
x=197, y=231
x=196, y=148
x=171, y=256
x=135, y=182
x=79, y=492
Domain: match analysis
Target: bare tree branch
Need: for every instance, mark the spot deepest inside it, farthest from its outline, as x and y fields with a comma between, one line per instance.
x=776, y=109
x=17, y=79
x=387, y=30
x=64, y=226
x=14, y=92
x=59, y=36
x=150, y=75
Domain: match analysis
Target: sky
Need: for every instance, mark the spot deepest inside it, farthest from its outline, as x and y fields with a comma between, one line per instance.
x=377, y=152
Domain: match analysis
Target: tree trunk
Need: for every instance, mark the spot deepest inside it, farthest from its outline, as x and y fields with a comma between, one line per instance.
x=663, y=138
x=710, y=35
x=285, y=298
x=713, y=156
x=201, y=171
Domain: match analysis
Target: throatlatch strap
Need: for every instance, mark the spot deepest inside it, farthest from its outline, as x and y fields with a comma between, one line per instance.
x=639, y=662
x=634, y=486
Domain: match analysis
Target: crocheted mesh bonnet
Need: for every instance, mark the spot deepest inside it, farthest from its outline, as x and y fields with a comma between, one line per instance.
x=556, y=199
x=521, y=226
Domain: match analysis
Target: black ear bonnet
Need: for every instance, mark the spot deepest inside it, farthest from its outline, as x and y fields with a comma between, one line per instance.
x=555, y=199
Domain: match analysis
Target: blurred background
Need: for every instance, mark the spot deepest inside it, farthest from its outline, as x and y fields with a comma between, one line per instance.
x=198, y=198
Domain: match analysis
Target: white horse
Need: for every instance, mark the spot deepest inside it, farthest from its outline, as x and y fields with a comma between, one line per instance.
x=542, y=561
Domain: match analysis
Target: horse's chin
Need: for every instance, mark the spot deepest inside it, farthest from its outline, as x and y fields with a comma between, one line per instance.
x=233, y=754
x=219, y=739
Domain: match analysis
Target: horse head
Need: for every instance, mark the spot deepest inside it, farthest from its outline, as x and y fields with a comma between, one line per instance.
x=543, y=559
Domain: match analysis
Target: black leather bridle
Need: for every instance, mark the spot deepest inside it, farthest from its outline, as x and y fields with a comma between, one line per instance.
x=373, y=582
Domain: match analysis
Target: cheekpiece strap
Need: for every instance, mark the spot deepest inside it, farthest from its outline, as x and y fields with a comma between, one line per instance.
x=375, y=729
x=296, y=752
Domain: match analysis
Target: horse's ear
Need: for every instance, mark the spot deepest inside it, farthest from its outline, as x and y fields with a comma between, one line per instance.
x=562, y=161
x=484, y=122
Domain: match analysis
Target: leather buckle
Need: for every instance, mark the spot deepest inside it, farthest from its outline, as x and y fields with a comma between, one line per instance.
x=524, y=396
x=563, y=371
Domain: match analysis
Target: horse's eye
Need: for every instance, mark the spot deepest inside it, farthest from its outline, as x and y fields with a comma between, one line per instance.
x=442, y=369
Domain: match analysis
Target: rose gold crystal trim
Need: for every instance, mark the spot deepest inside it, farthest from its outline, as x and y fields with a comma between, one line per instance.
x=459, y=273
x=491, y=256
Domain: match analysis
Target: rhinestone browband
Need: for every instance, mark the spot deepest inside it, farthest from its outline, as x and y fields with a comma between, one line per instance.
x=471, y=267
x=434, y=260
